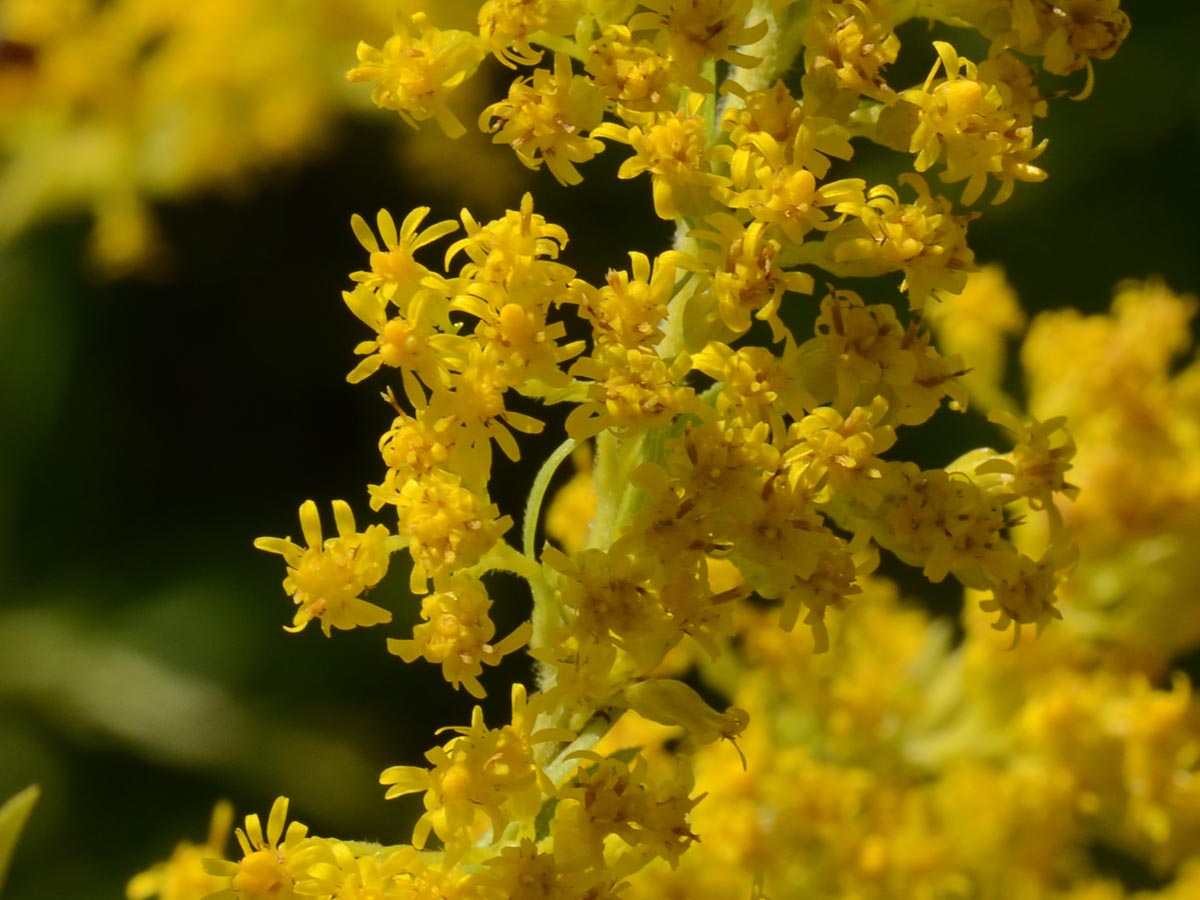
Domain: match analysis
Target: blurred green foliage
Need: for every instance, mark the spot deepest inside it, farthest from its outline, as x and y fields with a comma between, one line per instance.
x=151, y=430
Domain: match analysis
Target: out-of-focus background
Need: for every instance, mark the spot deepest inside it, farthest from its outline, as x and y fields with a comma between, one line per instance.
x=155, y=417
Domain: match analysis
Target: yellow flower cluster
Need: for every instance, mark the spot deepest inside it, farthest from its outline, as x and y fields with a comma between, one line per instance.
x=1129, y=386
x=906, y=763
x=111, y=104
x=739, y=440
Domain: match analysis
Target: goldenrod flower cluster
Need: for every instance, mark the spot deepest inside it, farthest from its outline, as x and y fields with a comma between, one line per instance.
x=739, y=477
x=108, y=105
x=909, y=762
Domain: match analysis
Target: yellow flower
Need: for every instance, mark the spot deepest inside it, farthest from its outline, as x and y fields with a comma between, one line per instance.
x=270, y=867
x=632, y=389
x=854, y=38
x=1024, y=592
x=448, y=526
x=386, y=875
x=834, y=455
x=609, y=798
x=757, y=384
x=1037, y=466
x=516, y=252
x=1069, y=35
x=689, y=32
x=514, y=332
x=551, y=874
x=923, y=239
x=773, y=127
x=716, y=465
x=481, y=774
x=631, y=307
x=940, y=522
x=673, y=148
x=631, y=72
x=395, y=274
x=327, y=578
x=861, y=352
x=545, y=119
x=789, y=198
x=580, y=671
x=507, y=26
x=458, y=634
x=410, y=342
x=415, y=75
x=738, y=489
x=612, y=596
x=746, y=280
x=414, y=447
x=475, y=397
x=971, y=123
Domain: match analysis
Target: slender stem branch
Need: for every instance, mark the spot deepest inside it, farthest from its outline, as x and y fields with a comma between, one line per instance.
x=537, y=493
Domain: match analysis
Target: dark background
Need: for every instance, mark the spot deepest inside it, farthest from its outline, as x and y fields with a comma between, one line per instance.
x=149, y=430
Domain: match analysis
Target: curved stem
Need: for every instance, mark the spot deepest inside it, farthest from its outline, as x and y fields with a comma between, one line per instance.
x=537, y=493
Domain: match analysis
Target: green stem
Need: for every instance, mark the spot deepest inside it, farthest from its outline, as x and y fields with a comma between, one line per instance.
x=537, y=493
x=545, y=600
x=615, y=461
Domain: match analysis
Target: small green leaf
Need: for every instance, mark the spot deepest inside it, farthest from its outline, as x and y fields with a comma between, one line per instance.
x=13, y=815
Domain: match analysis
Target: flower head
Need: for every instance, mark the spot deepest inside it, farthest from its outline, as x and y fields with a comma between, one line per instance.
x=416, y=74
x=545, y=118
x=395, y=274
x=273, y=862
x=974, y=125
x=923, y=239
x=482, y=775
x=458, y=634
x=673, y=148
x=327, y=578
